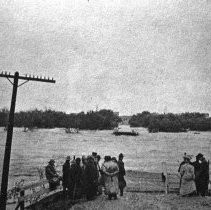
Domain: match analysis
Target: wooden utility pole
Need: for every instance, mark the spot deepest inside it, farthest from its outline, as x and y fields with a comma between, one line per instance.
x=6, y=164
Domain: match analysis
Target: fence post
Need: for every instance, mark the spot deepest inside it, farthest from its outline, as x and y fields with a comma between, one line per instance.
x=164, y=166
x=22, y=204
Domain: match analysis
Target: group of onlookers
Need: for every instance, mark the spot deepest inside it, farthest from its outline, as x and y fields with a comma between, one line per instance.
x=194, y=176
x=85, y=177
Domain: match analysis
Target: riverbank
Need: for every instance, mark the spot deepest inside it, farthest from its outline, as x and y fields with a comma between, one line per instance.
x=145, y=201
x=147, y=191
x=144, y=190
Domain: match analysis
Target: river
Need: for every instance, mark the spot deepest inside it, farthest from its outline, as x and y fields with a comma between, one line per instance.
x=145, y=152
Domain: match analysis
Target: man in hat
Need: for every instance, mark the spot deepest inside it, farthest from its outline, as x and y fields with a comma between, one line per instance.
x=201, y=167
x=66, y=175
x=122, y=182
x=99, y=183
x=90, y=177
x=51, y=175
x=94, y=154
x=76, y=179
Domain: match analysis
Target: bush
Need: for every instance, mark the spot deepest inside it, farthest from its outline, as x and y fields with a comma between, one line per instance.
x=103, y=119
x=171, y=122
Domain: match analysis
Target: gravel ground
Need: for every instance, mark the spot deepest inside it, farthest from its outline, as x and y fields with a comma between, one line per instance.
x=144, y=191
x=141, y=201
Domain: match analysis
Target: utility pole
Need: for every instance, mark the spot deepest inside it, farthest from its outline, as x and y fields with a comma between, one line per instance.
x=7, y=153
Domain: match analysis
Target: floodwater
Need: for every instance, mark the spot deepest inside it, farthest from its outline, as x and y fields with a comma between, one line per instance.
x=146, y=152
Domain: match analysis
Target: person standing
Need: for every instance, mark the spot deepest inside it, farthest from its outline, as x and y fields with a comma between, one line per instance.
x=66, y=175
x=110, y=170
x=99, y=185
x=182, y=163
x=90, y=177
x=188, y=186
x=83, y=166
x=122, y=182
x=201, y=167
x=76, y=179
x=51, y=175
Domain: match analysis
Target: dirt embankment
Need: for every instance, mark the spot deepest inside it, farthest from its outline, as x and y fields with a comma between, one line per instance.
x=146, y=191
x=139, y=201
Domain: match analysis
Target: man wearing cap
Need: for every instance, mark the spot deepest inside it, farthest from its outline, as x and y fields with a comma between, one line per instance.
x=201, y=167
x=122, y=182
x=51, y=175
x=66, y=175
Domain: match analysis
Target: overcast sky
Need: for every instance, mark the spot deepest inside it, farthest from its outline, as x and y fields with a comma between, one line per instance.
x=124, y=55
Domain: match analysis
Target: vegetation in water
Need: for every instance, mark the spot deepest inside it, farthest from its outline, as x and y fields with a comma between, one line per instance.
x=107, y=119
x=92, y=120
x=172, y=122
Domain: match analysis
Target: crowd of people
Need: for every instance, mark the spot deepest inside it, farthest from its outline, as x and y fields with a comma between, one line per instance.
x=194, y=176
x=84, y=177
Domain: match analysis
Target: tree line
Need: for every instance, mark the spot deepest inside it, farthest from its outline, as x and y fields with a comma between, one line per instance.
x=170, y=122
x=107, y=119
x=92, y=120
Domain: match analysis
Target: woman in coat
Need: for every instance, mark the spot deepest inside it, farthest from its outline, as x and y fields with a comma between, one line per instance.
x=188, y=186
x=110, y=175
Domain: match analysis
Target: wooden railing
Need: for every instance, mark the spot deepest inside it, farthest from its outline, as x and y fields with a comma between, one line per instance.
x=29, y=193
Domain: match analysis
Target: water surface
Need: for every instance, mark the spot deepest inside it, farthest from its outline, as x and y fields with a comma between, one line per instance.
x=145, y=152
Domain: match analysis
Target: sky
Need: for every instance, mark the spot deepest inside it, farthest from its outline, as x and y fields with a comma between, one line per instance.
x=124, y=55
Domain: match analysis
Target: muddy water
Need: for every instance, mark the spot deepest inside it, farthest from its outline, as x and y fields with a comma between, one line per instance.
x=145, y=152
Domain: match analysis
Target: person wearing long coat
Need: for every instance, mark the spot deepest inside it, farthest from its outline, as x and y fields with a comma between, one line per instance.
x=90, y=178
x=66, y=175
x=76, y=179
x=110, y=170
x=187, y=187
x=122, y=182
x=201, y=167
x=51, y=175
x=83, y=166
